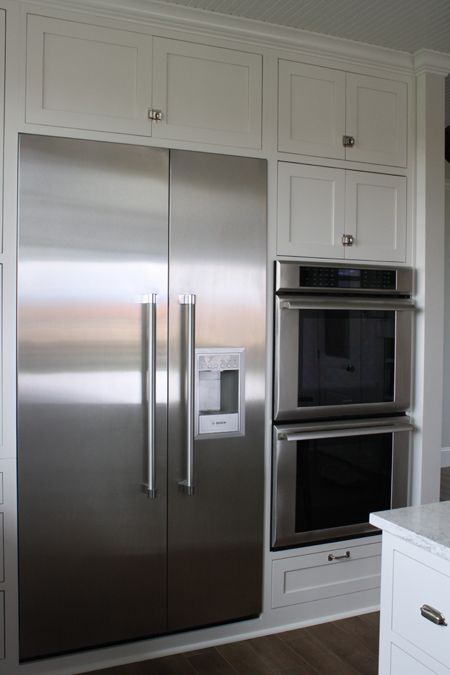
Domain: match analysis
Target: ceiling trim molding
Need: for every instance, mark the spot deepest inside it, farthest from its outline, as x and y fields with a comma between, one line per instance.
x=429, y=61
x=252, y=32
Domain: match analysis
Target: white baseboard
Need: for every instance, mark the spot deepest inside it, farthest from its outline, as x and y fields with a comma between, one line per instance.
x=445, y=457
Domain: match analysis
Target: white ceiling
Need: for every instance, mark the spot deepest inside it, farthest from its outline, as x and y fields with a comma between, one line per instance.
x=407, y=25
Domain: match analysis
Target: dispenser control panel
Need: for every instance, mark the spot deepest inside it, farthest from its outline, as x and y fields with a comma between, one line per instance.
x=219, y=395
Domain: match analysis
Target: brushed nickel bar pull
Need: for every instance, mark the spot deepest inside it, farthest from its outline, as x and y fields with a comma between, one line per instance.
x=330, y=433
x=332, y=556
x=187, y=485
x=433, y=615
x=150, y=486
x=313, y=302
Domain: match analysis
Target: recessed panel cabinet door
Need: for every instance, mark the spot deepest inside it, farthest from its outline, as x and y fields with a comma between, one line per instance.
x=87, y=77
x=377, y=119
x=311, y=114
x=207, y=94
x=310, y=210
x=375, y=214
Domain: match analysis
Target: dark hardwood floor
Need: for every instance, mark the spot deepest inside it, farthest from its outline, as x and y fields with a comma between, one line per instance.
x=345, y=647
x=445, y=484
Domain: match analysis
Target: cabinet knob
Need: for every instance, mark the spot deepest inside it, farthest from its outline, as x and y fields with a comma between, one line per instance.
x=155, y=115
x=347, y=240
x=348, y=141
x=433, y=615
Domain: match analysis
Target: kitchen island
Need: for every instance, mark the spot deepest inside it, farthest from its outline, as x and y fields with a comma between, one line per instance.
x=415, y=590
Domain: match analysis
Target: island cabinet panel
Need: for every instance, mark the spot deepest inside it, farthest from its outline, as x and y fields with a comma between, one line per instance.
x=415, y=590
x=325, y=112
x=404, y=664
x=87, y=77
x=432, y=589
x=207, y=94
x=340, y=214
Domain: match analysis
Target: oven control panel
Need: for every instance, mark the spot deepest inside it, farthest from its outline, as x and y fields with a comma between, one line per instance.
x=337, y=278
x=347, y=277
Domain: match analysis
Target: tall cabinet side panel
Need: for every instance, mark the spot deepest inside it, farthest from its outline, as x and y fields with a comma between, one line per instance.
x=93, y=245
x=218, y=255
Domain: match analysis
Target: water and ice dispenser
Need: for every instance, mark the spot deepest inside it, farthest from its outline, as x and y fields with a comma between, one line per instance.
x=219, y=399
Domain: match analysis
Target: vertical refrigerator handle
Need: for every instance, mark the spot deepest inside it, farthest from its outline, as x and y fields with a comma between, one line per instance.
x=150, y=486
x=188, y=300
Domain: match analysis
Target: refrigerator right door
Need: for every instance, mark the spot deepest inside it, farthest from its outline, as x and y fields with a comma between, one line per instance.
x=216, y=388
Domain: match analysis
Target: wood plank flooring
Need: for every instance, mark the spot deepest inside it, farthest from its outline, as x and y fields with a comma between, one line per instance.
x=445, y=484
x=345, y=647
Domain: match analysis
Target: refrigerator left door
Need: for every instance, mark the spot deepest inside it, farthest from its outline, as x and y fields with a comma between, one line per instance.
x=93, y=240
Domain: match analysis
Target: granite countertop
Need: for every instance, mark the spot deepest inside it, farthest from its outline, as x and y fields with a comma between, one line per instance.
x=427, y=526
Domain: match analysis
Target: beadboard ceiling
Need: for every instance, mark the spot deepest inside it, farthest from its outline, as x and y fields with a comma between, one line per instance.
x=407, y=25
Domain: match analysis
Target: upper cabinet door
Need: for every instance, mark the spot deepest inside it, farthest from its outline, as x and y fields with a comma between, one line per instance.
x=87, y=77
x=311, y=112
x=329, y=113
x=375, y=214
x=377, y=120
x=310, y=211
x=207, y=94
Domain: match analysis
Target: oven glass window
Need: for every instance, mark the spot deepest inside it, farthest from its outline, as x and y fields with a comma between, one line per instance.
x=345, y=357
x=341, y=480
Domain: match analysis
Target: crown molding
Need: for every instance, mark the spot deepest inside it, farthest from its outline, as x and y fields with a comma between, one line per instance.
x=429, y=61
x=255, y=33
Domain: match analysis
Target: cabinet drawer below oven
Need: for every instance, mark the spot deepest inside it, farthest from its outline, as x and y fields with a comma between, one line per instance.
x=336, y=570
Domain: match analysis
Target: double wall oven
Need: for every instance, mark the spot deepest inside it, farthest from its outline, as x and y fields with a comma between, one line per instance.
x=341, y=388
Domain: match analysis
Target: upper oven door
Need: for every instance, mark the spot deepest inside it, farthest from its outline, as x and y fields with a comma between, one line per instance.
x=341, y=356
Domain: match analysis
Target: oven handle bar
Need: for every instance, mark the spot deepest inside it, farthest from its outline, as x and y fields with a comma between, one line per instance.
x=314, y=302
x=335, y=433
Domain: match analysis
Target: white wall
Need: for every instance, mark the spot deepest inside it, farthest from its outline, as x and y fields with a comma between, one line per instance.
x=446, y=397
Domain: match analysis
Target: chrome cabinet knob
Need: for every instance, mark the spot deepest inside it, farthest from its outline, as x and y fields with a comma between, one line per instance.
x=348, y=141
x=155, y=115
x=347, y=240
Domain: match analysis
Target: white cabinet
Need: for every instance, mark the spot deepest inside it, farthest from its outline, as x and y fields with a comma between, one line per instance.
x=376, y=117
x=433, y=589
x=207, y=94
x=89, y=77
x=332, y=572
x=317, y=206
x=319, y=106
x=415, y=590
x=2, y=123
x=403, y=663
x=311, y=112
x=375, y=215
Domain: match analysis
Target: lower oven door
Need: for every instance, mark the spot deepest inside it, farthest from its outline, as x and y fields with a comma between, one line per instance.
x=328, y=477
x=339, y=356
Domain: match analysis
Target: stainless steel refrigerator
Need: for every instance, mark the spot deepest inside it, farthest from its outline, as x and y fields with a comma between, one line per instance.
x=141, y=352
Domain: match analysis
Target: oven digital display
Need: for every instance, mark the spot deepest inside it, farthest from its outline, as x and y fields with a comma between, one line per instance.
x=348, y=278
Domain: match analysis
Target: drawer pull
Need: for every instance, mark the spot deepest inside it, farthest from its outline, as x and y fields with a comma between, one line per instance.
x=433, y=615
x=332, y=557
